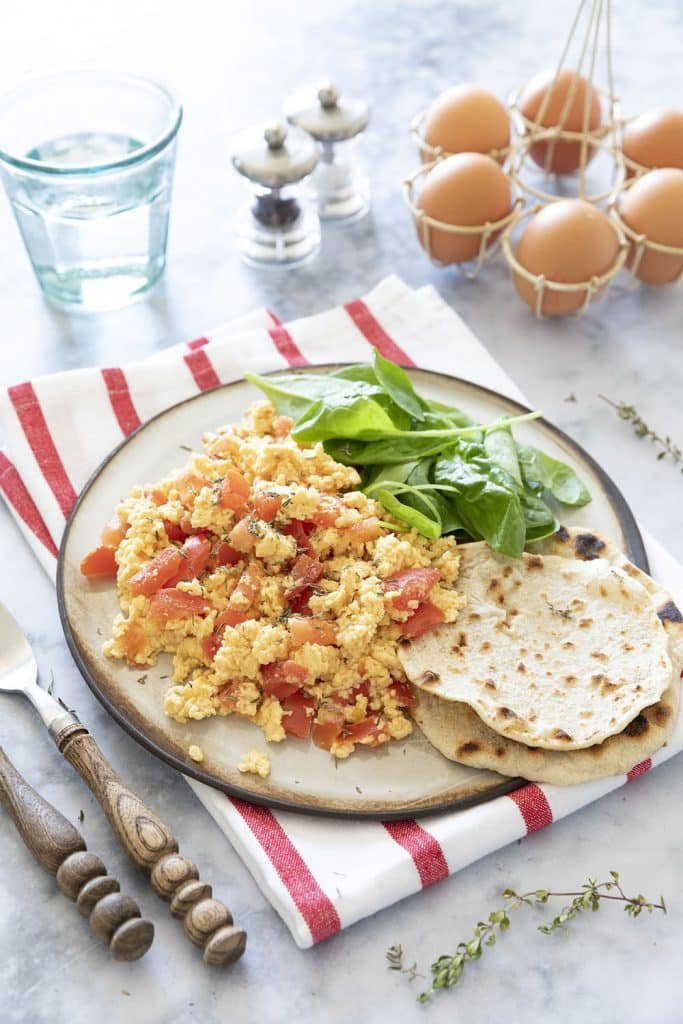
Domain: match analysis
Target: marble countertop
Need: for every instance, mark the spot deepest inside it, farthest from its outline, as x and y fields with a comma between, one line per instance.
x=232, y=65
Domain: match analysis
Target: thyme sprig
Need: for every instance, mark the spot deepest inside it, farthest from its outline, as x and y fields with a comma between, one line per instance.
x=641, y=429
x=448, y=969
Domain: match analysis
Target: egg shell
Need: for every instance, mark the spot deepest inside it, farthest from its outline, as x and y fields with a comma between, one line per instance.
x=655, y=139
x=467, y=189
x=569, y=241
x=566, y=155
x=653, y=206
x=467, y=119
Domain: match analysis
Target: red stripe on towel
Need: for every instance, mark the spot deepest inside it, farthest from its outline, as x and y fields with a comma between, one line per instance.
x=286, y=346
x=533, y=806
x=27, y=407
x=425, y=850
x=205, y=377
x=121, y=402
x=274, y=317
x=21, y=501
x=197, y=343
x=375, y=333
x=639, y=769
x=313, y=904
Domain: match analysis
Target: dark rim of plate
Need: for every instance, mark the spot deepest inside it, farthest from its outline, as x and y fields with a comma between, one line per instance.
x=634, y=545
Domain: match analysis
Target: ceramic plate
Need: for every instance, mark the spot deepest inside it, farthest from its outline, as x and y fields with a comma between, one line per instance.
x=398, y=780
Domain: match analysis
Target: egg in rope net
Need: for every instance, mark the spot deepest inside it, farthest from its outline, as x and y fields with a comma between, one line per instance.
x=464, y=119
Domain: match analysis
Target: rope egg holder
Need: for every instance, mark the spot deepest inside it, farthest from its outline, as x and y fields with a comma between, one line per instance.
x=429, y=153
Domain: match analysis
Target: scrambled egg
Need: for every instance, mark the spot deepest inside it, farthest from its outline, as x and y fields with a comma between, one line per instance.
x=279, y=588
x=256, y=763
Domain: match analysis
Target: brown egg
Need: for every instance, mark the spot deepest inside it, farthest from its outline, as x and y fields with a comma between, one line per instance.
x=566, y=155
x=467, y=119
x=655, y=139
x=467, y=189
x=569, y=241
x=653, y=206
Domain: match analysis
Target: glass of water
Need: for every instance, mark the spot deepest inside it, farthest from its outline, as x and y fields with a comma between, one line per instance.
x=87, y=160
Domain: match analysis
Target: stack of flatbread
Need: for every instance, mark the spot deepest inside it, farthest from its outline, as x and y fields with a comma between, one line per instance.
x=565, y=665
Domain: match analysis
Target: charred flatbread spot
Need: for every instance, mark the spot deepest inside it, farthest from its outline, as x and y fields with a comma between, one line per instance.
x=462, y=639
x=507, y=713
x=534, y=562
x=494, y=583
x=588, y=546
x=629, y=569
x=559, y=693
x=660, y=713
x=507, y=570
x=538, y=656
x=562, y=534
x=568, y=644
x=637, y=727
x=490, y=685
x=486, y=646
x=585, y=714
x=501, y=599
x=404, y=641
x=560, y=734
x=585, y=623
x=627, y=647
x=521, y=668
x=474, y=616
x=669, y=613
x=570, y=679
x=429, y=678
x=470, y=747
x=599, y=656
x=500, y=751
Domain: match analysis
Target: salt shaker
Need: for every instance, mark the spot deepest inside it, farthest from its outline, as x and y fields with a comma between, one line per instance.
x=338, y=184
x=278, y=225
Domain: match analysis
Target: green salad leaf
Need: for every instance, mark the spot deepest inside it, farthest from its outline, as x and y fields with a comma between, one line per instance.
x=432, y=467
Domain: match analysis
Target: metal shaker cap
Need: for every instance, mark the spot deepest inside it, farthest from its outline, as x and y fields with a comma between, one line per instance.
x=274, y=155
x=326, y=114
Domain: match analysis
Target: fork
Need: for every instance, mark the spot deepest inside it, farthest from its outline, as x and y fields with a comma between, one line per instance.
x=147, y=840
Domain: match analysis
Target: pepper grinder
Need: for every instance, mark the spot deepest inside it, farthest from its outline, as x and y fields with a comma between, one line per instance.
x=339, y=186
x=277, y=226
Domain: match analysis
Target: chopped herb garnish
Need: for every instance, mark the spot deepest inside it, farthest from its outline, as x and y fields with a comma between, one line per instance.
x=142, y=679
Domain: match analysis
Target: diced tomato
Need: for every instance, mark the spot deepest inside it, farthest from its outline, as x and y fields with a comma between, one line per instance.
x=282, y=425
x=230, y=617
x=113, y=533
x=366, y=530
x=156, y=496
x=410, y=586
x=327, y=727
x=297, y=601
x=426, y=617
x=305, y=571
x=367, y=731
x=283, y=678
x=249, y=583
x=174, y=531
x=223, y=554
x=188, y=487
x=211, y=645
x=312, y=631
x=176, y=604
x=298, y=530
x=403, y=695
x=156, y=573
x=328, y=511
x=267, y=506
x=241, y=537
x=296, y=720
x=363, y=689
x=234, y=491
x=194, y=560
x=100, y=562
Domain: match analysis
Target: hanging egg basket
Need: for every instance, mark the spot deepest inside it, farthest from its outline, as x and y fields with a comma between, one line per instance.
x=430, y=154
x=489, y=232
x=543, y=287
x=589, y=141
x=637, y=245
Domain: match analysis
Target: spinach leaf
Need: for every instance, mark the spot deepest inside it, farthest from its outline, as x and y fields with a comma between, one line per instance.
x=387, y=451
x=488, y=501
x=293, y=394
x=359, y=371
x=398, y=386
x=559, y=478
x=425, y=525
x=500, y=447
x=538, y=518
x=440, y=415
x=360, y=418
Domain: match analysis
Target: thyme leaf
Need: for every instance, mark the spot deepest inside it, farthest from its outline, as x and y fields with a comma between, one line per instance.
x=641, y=429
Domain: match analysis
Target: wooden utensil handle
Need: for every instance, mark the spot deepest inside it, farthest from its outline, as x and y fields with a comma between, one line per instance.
x=60, y=848
x=151, y=845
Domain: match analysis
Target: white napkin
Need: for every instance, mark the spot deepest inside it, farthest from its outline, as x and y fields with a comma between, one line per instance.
x=320, y=874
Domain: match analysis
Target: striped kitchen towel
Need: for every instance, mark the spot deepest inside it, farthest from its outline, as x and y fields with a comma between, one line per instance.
x=320, y=874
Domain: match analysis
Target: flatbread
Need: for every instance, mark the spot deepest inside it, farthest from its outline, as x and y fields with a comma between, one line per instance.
x=461, y=735
x=549, y=652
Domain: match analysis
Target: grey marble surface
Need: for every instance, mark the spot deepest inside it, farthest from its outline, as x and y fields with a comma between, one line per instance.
x=232, y=64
